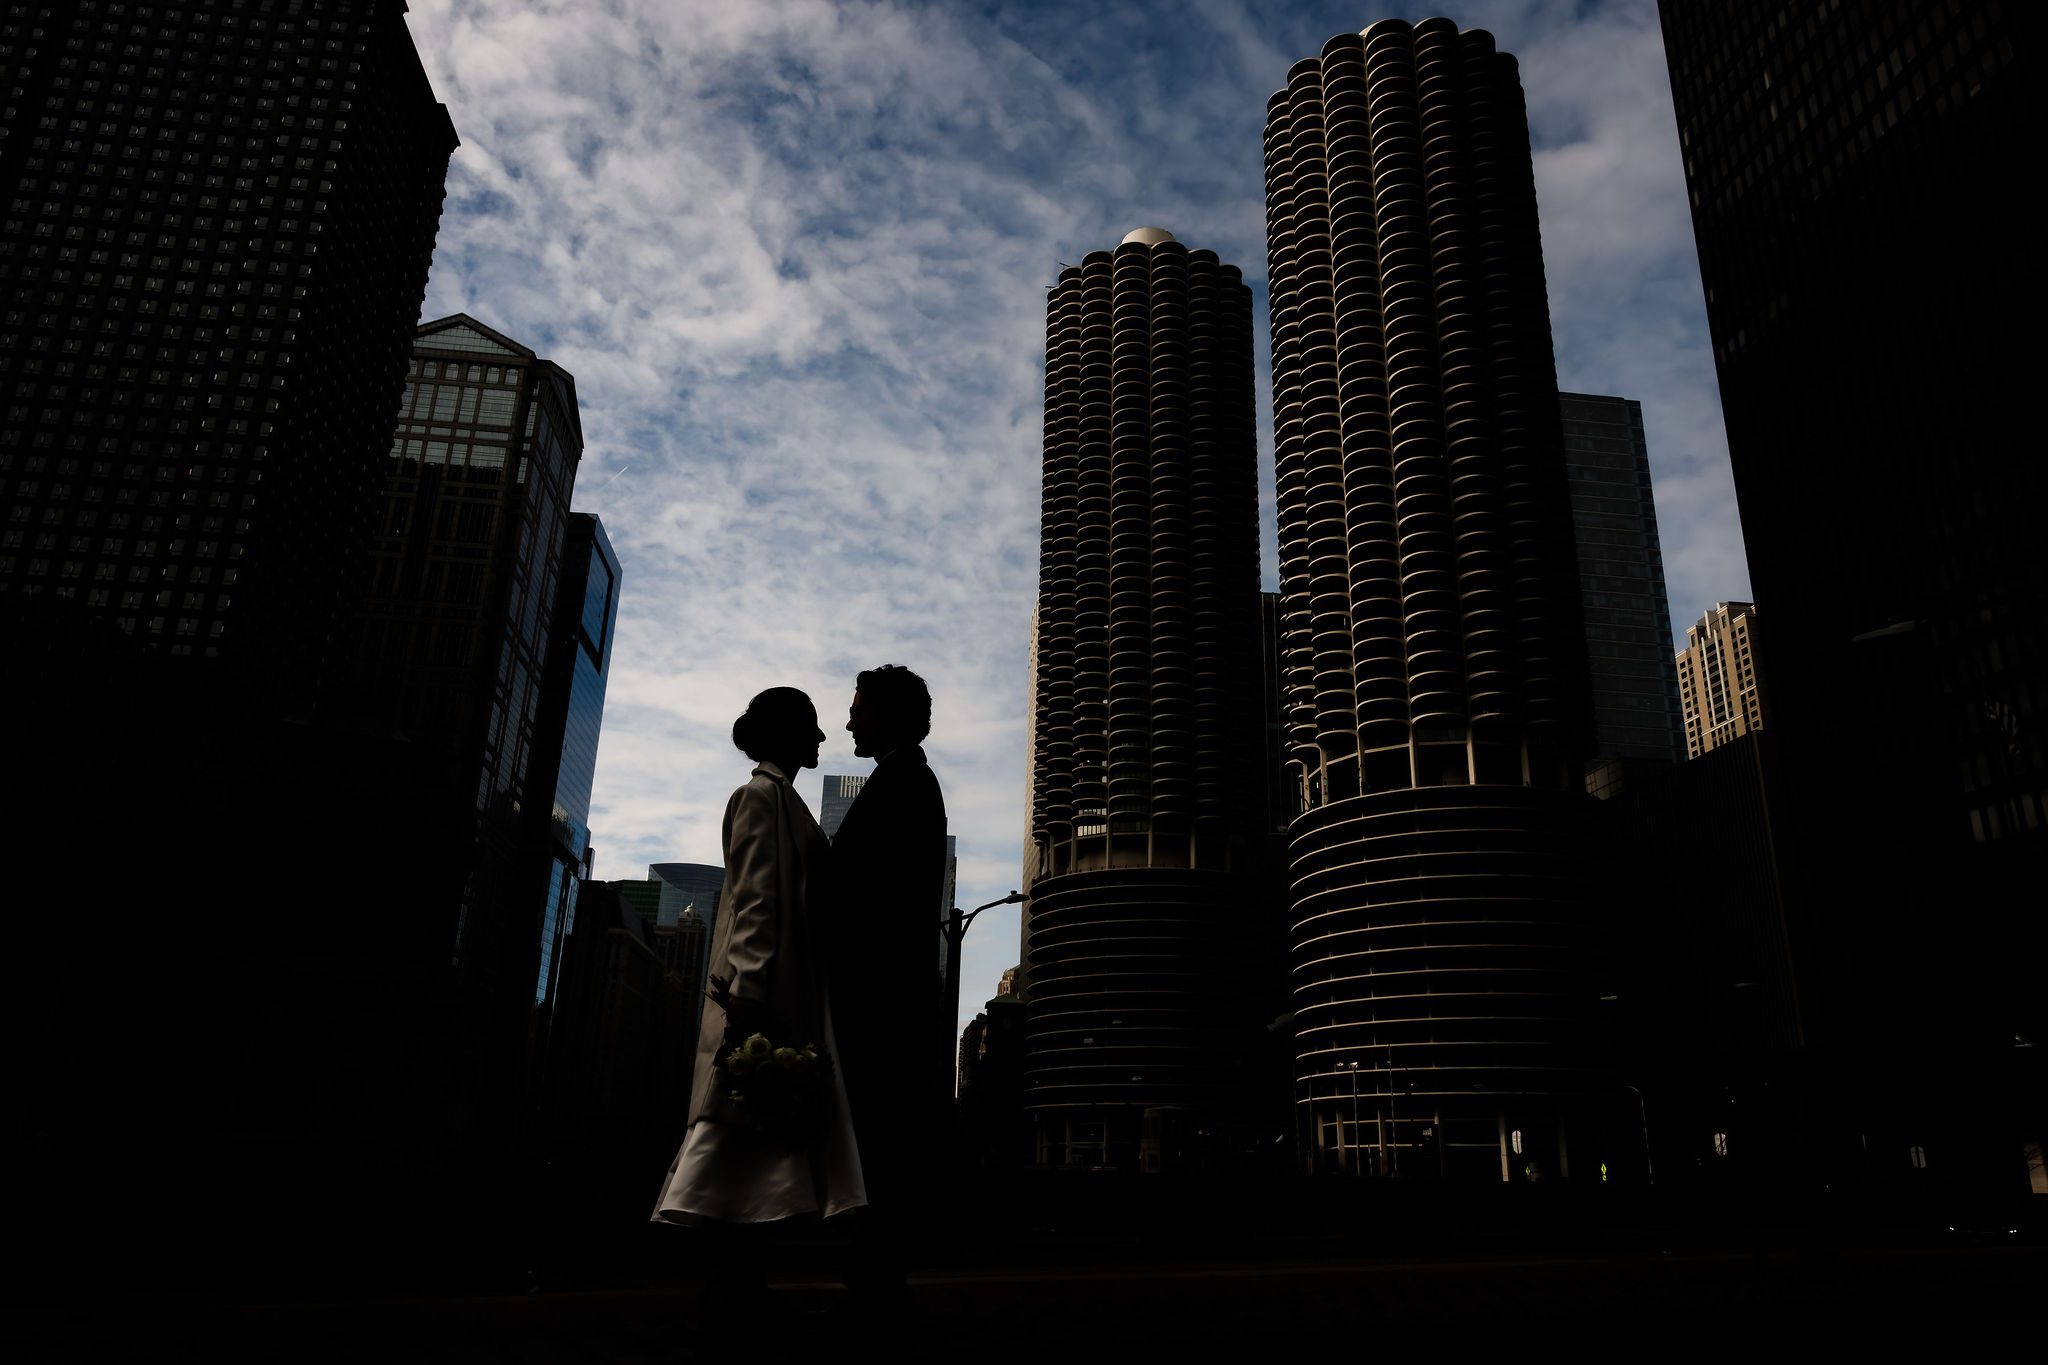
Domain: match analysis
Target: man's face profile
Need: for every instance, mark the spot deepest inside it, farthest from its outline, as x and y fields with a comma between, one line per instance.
x=863, y=724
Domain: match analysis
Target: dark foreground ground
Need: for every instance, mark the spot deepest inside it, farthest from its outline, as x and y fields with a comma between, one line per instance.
x=1076, y=1302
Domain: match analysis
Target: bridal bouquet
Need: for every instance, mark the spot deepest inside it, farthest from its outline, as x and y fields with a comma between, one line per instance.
x=781, y=1086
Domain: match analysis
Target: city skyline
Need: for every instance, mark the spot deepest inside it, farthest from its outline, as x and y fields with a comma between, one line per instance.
x=1329, y=606
x=796, y=265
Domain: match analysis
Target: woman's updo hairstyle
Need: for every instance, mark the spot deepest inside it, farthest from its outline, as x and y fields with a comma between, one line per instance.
x=773, y=720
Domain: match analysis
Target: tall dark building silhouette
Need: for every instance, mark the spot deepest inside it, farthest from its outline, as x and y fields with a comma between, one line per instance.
x=1636, y=714
x=1707, y=999
x=1147, y=789
x=217, y=229
x=453, y=634
x=617, y=1088
x=1444, y=988
x=1885, y=460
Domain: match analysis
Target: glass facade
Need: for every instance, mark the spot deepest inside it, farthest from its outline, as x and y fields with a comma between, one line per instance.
x=689, y=903
x=688, y=886
x=592, y=653
x=469, y=551
x=840, y=789
x=453, y=634
x=585, y=613
x=558, y=921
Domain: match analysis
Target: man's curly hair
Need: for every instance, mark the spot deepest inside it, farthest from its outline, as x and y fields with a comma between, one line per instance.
x=901, y=696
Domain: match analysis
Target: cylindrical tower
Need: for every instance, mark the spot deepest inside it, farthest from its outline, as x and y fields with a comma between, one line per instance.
x=1146, y=782
x=1433, y=656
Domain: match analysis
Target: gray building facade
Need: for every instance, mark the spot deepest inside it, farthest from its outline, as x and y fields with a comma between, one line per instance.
x=1636, y=714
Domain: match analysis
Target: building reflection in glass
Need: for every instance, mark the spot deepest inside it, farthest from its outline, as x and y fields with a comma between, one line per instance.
x=572, y=706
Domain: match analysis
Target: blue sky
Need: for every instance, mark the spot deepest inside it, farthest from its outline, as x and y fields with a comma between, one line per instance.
x=795, y=251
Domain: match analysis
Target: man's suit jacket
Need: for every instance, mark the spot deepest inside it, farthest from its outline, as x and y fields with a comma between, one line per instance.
x=884, y=948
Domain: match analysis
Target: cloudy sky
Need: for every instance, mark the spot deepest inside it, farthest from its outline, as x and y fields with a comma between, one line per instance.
x=795, y=253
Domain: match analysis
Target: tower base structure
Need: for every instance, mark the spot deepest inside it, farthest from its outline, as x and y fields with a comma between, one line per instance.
x=1447, y=989
x=1146, y=1013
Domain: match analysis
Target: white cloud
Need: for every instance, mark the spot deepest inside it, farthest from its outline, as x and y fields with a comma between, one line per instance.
x=794, y=252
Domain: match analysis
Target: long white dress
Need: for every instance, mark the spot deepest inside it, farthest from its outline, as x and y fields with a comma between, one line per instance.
x=775, y=865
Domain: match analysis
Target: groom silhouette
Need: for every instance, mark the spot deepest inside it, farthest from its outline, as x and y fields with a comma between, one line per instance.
x=883, y=954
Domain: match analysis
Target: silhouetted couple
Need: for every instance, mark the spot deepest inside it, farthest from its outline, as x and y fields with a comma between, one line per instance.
x=836, y=947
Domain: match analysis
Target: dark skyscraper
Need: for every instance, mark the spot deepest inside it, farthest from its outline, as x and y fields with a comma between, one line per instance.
x=455, y=624
x=453, y=635
x=217, y=228
x=1636, y=717
x=1867, y=239
x=1434, y=658
x=1147, y=786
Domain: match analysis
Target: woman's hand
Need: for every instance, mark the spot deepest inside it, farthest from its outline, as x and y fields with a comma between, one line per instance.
x=742, y=1016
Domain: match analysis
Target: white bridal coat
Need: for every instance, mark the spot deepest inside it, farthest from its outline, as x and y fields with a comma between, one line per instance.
x=775, y=872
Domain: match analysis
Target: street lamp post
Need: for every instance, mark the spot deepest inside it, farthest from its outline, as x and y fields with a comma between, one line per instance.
x=1393, y=1114
x=1642, y=1106
x=954, y=926
x=1351, y=1146
x=1643, y=1109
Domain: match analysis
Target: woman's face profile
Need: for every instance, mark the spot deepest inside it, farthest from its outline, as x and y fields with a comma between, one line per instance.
x=807, y=750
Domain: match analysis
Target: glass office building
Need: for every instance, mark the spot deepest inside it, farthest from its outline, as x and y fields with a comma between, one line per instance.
x=687, y=886
x=451, y=639
x=837, y=799
x=572, y=708
x=689, y=893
